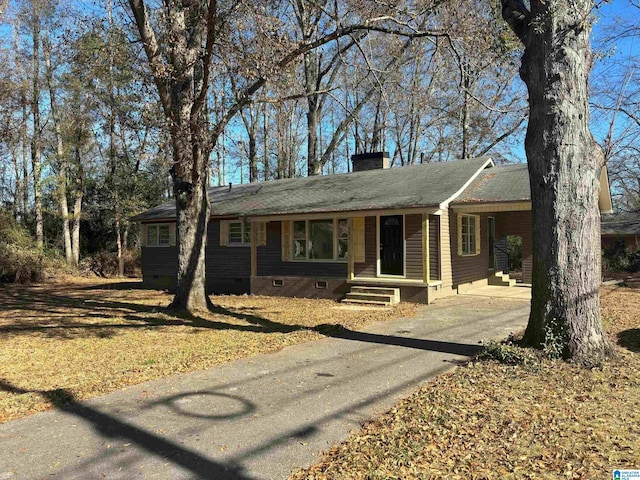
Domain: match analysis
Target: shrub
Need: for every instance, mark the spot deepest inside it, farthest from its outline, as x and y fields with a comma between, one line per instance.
x=506, y=353
x=514, y=249
x=20, y=260
x=105, y=264
x=615, y=258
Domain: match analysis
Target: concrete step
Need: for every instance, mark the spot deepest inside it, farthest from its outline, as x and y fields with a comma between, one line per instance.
x=381, y=290
x=373, y=297
x=370, y=303
x=375, y=293
x=501, y=280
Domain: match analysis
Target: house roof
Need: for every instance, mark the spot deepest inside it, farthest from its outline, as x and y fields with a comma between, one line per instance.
x=423, y=185
x=507, y=183
x=627, y=224
x=510, y=183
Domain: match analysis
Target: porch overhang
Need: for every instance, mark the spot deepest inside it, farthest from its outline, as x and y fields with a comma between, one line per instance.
x=492, y=207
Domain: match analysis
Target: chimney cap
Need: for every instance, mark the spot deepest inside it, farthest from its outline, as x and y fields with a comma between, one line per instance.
x=370, y=161
x=369, y=155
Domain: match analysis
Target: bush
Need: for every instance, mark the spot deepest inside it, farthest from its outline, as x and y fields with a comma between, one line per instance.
x=616, y=258
x=20, y=260
x=105, y=264
x=514, y=249
x=506, y=353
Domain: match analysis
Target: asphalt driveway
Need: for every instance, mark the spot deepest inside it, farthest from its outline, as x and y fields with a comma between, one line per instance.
x=255, y=418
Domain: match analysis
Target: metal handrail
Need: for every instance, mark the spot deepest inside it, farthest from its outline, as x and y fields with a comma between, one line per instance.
x=496, y=247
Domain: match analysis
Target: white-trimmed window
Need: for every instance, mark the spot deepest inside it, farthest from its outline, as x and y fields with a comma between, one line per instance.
x=468, y=234
x=160, y=235
x=235, y=232
x=319, y=240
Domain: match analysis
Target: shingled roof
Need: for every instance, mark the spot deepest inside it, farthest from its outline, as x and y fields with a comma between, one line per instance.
x=627, y=224
x=404, y=187
x=507, y=183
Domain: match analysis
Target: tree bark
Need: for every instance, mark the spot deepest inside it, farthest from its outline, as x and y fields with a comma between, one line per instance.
x=183, y=94
x=36, y=143
x=77, y=205
x=564, y=166
x=60, y=154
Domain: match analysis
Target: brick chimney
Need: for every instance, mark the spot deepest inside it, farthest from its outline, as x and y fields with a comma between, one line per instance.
x=369, y=161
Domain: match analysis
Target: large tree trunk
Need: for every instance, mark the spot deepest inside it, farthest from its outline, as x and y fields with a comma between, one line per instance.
x=183, y=97
x=564, y=165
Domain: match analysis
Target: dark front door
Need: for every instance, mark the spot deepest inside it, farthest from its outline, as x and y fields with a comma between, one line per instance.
x=391, y=245
x=491, y=229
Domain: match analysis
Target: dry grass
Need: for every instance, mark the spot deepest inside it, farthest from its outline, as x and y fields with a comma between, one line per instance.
x=88, y=338
x=543, y=419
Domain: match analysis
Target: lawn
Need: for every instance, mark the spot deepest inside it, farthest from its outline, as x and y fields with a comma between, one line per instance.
x=540, y=419
x=91, y=337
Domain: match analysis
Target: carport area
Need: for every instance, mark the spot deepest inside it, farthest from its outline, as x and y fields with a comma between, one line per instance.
x=516, y=292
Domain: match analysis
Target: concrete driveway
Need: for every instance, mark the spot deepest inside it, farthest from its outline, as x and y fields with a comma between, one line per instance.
x=255, y=418
x=517, y=292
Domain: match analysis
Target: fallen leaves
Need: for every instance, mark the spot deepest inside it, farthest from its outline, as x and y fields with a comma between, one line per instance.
x=488, y=420
x=93, y=337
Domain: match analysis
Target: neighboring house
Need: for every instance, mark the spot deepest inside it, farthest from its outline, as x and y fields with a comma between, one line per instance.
x=425, y=230
x=621, y=227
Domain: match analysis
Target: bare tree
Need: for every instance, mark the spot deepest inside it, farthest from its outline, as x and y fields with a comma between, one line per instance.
x=564, y=166
x=181, y=66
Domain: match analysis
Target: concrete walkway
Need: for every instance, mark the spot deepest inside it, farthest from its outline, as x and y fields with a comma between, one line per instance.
x=517, y=292
x=255, y=418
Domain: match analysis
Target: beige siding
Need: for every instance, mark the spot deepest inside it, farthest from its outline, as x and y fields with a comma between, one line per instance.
x=368, y=268
x=434, y=247
x=469, y=268
x=445, y=253
x=413, y=246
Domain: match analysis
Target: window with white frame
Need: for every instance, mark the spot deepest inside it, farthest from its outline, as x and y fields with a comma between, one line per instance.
x=239, y=233
x=469, y=234
x=160, y=235
x=325, y=239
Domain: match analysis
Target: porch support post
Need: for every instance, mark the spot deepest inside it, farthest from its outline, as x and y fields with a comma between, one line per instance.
x=350, y=250
x=425, y=248
x=254, y=249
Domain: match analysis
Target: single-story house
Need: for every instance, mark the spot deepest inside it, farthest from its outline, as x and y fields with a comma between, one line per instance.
x=621, y=228
x=421, y=232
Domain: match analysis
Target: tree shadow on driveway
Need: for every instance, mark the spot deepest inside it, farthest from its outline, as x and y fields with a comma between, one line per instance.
x=108, y=426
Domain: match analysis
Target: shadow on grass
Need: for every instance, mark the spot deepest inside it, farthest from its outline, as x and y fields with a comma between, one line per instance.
x=630, y=339
x=94, y=307
x=109, y=426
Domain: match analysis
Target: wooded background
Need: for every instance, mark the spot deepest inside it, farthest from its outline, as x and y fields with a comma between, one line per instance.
x=84, y=144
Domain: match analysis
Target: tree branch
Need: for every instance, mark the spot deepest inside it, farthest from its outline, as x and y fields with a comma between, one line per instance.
x=518, y=17
x=152, y=49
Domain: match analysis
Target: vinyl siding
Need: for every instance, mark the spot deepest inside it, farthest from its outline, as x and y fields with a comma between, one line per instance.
x=446, y=252
x=270, y=260
x=434, y=254
x=159, y=261
x=225, y=262
x=469, y=268
x=413, y=246
x=368, y=268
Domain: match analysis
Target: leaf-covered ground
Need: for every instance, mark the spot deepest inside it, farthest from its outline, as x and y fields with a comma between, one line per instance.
x=486, y=420
x=86, y=338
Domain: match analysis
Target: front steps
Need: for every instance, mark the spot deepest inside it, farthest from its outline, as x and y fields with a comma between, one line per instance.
x=501, y=279
x=372, y=296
